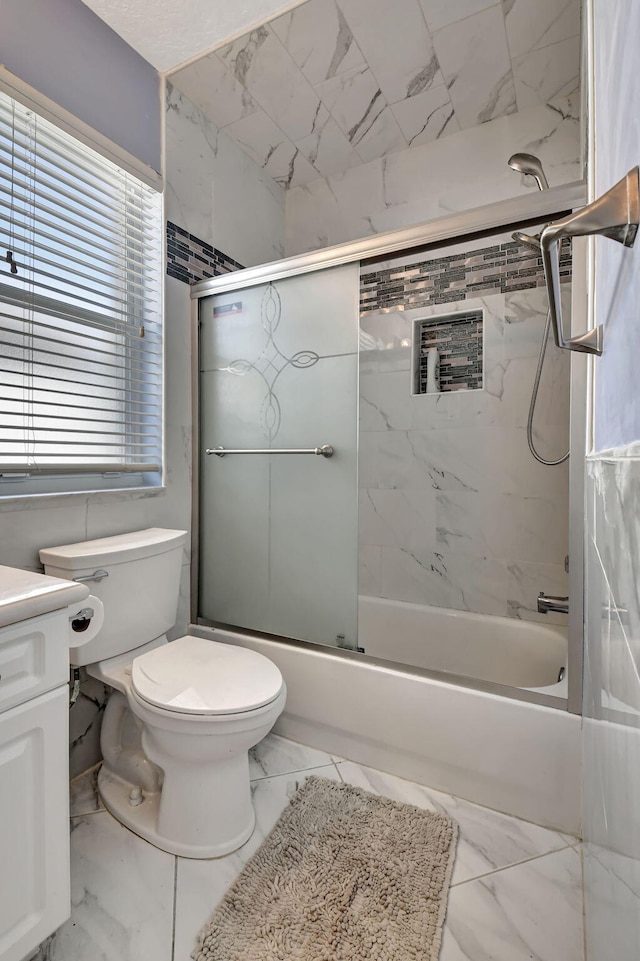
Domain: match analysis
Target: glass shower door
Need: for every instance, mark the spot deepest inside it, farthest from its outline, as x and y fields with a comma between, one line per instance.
x=278, y=532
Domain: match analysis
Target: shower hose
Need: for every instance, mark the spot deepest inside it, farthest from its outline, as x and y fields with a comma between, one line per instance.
x=534, y=397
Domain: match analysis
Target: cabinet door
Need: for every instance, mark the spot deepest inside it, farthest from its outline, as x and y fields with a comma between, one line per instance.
x=34, y=823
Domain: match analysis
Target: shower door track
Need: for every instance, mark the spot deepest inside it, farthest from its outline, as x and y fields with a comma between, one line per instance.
x=505, y=215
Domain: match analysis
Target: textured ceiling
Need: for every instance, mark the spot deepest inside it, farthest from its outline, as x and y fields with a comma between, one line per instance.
x=336, y=83
x=170, y=32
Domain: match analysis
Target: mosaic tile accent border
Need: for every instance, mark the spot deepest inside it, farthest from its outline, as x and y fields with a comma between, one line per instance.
x=502, y=268
x=458, y=340
x=190, y=259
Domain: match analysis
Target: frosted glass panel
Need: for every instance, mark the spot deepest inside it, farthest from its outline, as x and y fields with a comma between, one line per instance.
x=279, y=369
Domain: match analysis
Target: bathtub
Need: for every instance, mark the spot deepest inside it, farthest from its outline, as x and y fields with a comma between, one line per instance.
x=511, y=755
x=501, y=650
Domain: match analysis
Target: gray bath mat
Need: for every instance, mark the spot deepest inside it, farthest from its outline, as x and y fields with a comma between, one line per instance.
x=343, y=876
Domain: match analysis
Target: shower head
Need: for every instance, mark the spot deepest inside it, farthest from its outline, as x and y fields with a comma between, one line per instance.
x=526, y=163
x=531, y=240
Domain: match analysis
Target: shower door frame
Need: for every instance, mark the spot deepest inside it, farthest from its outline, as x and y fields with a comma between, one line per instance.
x=502, y=216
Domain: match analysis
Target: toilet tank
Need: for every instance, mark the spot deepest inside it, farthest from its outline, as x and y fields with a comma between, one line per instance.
x=140, y=593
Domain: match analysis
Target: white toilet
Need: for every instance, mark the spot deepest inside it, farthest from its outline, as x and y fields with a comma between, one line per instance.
x=183, y=715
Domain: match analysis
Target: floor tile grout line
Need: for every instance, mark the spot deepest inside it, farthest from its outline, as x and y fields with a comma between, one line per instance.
x=573, y=845
x=302, y=770
x=475, y=804
x=175, y=906
x=90, y=770
x=87, y=814
x=515, y=864
x=575, y=842
x=567, y=839
x=583, y=879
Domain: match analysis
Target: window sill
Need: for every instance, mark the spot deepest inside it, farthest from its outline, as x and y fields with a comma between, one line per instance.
x=21, y=502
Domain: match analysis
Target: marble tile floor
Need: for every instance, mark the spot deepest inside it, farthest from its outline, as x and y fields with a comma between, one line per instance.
x=516, y=891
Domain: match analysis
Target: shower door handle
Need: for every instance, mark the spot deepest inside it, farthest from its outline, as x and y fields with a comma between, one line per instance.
x=615, y=215
x=325, y=451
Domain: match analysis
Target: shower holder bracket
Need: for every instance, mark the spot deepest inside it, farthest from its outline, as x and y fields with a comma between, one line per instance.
x=615, y=215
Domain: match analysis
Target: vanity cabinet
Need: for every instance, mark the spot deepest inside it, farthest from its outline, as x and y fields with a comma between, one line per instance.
x=34, y=782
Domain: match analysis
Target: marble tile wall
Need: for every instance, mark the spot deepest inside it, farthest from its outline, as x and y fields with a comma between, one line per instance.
x=216, y=192
x=611, y=731
x=464, y=170
x=333, y=84
x=454, y=511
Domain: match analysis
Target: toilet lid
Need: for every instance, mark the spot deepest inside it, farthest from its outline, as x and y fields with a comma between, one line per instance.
x=194, y=676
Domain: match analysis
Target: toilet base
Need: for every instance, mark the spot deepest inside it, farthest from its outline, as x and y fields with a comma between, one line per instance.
x=143, y=819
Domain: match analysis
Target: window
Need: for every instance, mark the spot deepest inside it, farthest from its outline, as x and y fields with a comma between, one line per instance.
x=80, y=314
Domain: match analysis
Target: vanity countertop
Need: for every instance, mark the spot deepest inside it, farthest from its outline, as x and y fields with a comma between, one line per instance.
x=25, y=594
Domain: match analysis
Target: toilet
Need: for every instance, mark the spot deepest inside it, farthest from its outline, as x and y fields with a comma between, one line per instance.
x=182, y=715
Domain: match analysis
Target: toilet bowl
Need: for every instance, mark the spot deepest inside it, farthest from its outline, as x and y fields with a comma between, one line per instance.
x=182, y=715
x=196, y=800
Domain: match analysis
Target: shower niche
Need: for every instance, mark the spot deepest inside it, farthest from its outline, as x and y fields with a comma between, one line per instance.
x=447, y=353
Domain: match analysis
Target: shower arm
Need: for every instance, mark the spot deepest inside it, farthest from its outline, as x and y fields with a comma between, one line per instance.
x=615, y=215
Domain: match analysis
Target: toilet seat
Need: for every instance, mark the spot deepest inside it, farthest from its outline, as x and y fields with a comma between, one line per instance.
x=195, y=676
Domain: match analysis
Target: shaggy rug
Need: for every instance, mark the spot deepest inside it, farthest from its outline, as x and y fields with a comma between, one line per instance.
x=343, y=876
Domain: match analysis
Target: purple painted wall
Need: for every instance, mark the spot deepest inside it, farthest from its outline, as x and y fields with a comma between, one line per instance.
x=63, y=50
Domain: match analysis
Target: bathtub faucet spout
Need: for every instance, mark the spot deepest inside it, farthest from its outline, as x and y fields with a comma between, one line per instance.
x=558, y=604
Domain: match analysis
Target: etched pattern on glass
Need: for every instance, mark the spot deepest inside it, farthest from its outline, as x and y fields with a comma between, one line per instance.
x=271, y=362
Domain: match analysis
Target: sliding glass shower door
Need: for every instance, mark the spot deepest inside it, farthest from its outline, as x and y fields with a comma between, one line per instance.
x=279, y=372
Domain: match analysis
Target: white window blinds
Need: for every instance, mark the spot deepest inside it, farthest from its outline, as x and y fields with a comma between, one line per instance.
x=80, y=307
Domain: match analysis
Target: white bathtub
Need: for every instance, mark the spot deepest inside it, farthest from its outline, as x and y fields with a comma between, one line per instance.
x=502, y=650
x=517, y=757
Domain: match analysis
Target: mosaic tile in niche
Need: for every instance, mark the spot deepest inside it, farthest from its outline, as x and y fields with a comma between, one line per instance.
x=458, y=340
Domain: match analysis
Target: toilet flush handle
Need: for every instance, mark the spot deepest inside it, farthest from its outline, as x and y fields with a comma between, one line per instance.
x=96, y=576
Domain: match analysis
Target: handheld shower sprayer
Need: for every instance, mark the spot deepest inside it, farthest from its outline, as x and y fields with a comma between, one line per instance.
x=526, y=163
